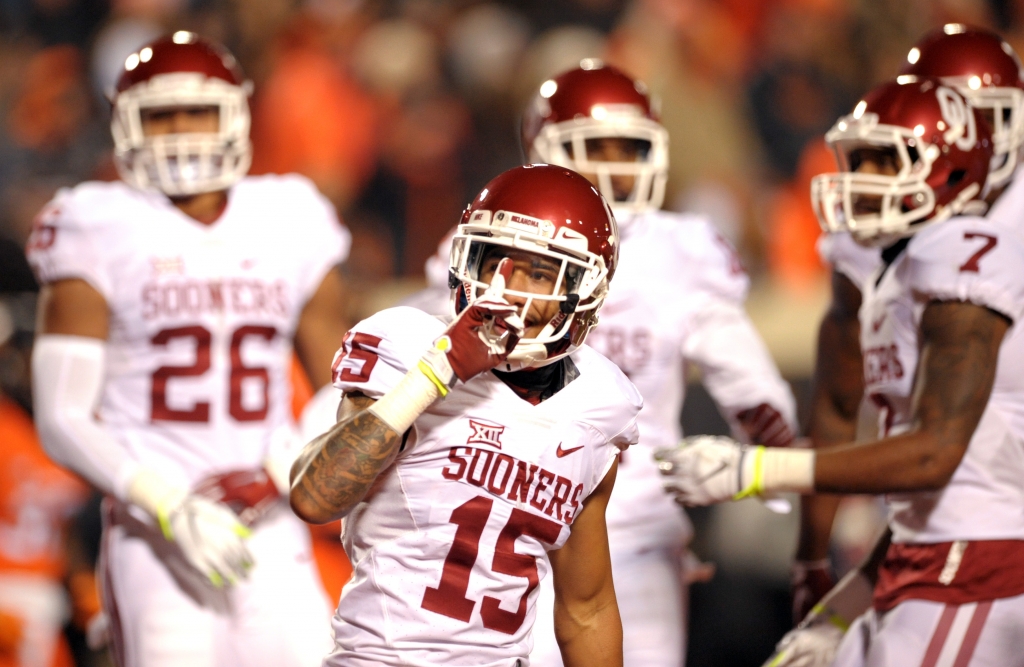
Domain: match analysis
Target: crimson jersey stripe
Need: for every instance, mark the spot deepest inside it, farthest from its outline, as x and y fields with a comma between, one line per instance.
x=973, y=633
x=931, y=655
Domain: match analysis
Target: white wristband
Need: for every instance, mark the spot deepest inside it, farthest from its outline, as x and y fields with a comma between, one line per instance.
x=401, y=406
x=785, y=469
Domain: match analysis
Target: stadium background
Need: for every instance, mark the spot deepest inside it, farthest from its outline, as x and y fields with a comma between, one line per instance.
x=400, y=110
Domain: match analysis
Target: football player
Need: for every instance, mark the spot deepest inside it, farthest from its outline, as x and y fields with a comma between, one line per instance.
x=987, y=72
x=170, y=306
x=466, y=452
x=941, y=357
x=677, y=300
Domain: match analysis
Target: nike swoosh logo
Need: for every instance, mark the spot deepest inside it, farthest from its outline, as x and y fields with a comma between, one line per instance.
x=565, y=452
x=721, y=466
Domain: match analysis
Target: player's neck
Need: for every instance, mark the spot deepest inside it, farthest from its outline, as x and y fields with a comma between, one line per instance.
x=205, y=207
x=539, y=384
x=991, y=198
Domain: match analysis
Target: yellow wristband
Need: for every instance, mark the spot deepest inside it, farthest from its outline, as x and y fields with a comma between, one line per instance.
x=164, y=518
x=429, y=372
x=830, y=616
x=756, y=485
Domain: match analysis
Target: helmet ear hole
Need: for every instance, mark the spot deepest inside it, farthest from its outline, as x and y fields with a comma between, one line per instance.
x=955, y=177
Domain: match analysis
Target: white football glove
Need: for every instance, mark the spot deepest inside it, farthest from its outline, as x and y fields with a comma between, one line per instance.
x=813, y=643
x=807, y=646
x=707, y=469
x=209, y=534
x=212, y=539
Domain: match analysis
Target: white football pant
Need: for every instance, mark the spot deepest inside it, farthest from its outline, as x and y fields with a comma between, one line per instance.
x=920, y=633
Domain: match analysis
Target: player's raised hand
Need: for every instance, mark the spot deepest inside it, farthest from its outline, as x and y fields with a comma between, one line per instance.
x=702, y=470
x=481, y=337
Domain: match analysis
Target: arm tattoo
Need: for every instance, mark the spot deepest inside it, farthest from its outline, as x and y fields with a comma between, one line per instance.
x=343, y=464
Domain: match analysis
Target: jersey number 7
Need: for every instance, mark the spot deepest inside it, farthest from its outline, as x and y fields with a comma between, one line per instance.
x=971, y=265
x=449, y=598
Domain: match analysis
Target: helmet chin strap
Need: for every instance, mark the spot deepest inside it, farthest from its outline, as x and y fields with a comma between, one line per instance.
x=966, y=204
x=530, y=355
x=963, y=204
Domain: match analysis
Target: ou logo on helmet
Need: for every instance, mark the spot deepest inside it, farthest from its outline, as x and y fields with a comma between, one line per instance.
x=958, y=117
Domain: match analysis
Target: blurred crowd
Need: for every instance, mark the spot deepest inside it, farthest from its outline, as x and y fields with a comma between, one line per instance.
x=399, y=110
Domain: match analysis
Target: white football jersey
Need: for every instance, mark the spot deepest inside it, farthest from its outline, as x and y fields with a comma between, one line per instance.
x=201, y=316
x=970, y=259
x=448, y=546
x=675, y=278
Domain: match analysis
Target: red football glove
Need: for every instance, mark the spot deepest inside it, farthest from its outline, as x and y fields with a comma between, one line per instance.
x=809, y=582
x=249, y=493
x=482, y=336
x=765, y=426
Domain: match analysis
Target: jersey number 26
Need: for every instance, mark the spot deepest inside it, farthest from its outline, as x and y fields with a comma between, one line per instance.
x=200, y=410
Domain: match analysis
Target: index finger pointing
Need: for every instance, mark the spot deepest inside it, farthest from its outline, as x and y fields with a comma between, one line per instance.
x=501, y=277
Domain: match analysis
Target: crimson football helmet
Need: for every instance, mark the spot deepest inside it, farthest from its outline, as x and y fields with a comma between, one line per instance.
x=553, y=212
x=596, y=101
x=986, y=71
x=182, y=69
x=938, y=146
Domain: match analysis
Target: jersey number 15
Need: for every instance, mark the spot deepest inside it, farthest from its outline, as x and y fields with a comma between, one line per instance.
x=449, y=598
